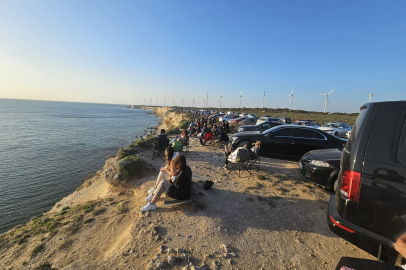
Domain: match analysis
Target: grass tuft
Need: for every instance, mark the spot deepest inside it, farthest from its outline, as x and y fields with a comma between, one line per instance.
x=44, y=266
x=66, y=244
x=260, y=177
x=99, y=211
x=37, y=249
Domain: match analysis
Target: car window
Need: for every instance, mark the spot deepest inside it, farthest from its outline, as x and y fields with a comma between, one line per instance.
x=266, y=125
x=355, y=131
x=319, y=136
x=332, y=125
x=283, y=132
x=303, y=133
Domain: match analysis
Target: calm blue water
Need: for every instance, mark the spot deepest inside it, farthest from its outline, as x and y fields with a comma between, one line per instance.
x=47, y=149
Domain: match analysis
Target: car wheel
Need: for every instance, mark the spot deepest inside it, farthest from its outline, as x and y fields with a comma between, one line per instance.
x=241, y=144
x=336, y=134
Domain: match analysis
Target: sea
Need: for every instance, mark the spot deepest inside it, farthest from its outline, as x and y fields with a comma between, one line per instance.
x=48, y=148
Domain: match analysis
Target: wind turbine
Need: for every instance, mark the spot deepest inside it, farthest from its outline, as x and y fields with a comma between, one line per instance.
x=291, y=95
x=182, y=102
x=164, y=102
x=150, y=102
x=204, y=103
x=193, y=102
x=173, y=103
x=325, y=102
x=263, y=99
x=220, y=100
x=144, y=102
x=239, y=106
x=370, y=96
x=156, y=103
x=207, y=100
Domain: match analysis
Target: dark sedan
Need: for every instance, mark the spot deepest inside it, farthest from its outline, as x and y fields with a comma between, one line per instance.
x=287, y=140
x=260, y=127
x=321, y=166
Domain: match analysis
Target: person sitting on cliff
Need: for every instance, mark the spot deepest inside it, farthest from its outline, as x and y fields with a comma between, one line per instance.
x=178, y=187
x=164, y=172
x=232, y=154
x=256, y=147
x=162, y=135
x=184, y=137
x=203, y=134
x=216, y=131
x=223, y=137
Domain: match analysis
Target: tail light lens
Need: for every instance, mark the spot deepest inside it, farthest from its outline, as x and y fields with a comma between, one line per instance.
x=350, y=183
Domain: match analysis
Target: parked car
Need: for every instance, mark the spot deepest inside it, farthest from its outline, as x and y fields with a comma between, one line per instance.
x=306, y=120
x=248, y=121
x=369, y=205
x=286, y=120
x=260, y=127
x=306, y=123
x=268, y=119
x=237, y=120
x=252, y=116
x=338, y=129
x=288, y=140
x=321, y=166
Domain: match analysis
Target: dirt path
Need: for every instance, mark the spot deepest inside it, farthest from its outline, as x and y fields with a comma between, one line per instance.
x=278, y=222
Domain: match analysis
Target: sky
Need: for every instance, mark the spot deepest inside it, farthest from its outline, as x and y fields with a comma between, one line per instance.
x=125, y=52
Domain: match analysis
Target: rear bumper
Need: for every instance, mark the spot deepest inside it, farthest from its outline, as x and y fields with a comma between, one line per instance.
x=358, y=236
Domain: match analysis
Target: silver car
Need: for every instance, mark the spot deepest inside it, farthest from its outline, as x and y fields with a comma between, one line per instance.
x=338, y=129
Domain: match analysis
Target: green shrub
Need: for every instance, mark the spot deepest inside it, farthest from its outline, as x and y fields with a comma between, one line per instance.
x=173, y=131
x=145, y=143
x=184, y=124
x=130, y=165
x=38, y=249
x=129, y=151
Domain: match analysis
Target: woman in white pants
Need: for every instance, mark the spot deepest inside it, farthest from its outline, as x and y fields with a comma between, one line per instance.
x=165, y=172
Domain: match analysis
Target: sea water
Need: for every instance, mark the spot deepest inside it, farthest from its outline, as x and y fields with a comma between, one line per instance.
x=47, y=149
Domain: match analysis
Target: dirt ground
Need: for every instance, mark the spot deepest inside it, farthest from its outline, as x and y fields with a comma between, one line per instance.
x=272, y=218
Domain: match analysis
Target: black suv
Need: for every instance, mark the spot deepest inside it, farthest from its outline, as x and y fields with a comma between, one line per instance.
x=369, y=207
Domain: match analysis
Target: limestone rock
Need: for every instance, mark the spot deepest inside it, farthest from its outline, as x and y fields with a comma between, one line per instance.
x=171, y=260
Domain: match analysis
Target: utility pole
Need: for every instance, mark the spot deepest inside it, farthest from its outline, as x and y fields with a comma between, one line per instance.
x=207, y=101
x=220, y=101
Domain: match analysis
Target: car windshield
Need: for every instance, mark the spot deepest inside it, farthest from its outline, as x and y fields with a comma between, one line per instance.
x=332, y=125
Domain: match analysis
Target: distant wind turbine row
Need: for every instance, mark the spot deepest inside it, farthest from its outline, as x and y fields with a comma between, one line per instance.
x=291, y=96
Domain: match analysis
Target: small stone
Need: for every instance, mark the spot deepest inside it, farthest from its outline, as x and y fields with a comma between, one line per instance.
x=132, y=251
x=171, y=260
x=184, y=257
x=161, y=249
x=190, y=236
x=180, y=250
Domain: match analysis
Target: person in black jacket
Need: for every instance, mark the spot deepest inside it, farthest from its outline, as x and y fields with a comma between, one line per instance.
x=178, y=187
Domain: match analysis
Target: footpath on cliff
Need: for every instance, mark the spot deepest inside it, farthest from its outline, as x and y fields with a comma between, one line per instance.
x=271, y=219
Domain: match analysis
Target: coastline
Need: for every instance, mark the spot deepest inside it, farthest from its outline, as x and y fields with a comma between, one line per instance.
x=241, y=223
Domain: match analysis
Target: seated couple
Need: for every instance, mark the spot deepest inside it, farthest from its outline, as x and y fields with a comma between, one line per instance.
x=175, y=179
x=232, y=154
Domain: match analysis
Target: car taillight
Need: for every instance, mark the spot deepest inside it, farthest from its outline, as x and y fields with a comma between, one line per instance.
x=350, y=183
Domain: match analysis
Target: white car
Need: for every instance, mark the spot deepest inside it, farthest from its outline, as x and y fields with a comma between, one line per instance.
x=338, y=129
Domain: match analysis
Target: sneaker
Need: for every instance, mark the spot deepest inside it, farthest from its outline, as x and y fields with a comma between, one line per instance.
x=148, y=207
x=151, y=191
x=150, y=197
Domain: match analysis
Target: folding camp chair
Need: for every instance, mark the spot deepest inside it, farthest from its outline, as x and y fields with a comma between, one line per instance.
x=208, y=138
x=159, y=148
x=255, y=159
x=241, y=163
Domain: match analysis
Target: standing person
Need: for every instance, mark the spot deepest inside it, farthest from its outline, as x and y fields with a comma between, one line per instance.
x=178, y=187
x=215, y=131
x=228, y=127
